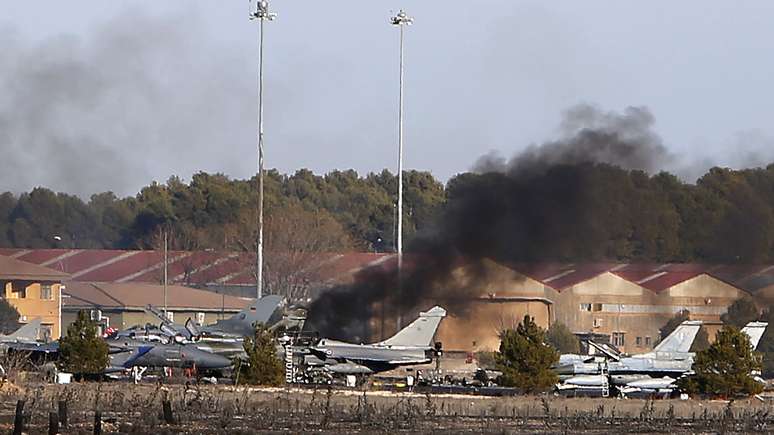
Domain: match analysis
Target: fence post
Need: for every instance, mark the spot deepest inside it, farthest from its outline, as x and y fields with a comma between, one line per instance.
x=63, y=413
x=53, y=423
x=18, y=420
x=167, y=408
x=97, y=423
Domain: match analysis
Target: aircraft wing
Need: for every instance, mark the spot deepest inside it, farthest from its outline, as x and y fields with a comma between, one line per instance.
x=34, y=347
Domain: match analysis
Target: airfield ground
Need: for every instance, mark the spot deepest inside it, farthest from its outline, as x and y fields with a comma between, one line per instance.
x=128, y=408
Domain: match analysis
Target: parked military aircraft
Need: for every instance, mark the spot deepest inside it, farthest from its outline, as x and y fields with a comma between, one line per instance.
x=237, y=326
x=411, y=345
x=127, y=353
x=224, y=337
x=27, y=333
x=651, y=372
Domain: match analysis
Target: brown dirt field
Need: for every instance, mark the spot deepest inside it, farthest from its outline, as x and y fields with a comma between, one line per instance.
x=128, y=408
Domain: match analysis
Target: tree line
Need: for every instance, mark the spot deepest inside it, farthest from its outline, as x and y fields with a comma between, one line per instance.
x=213, y=211
x=581, y=212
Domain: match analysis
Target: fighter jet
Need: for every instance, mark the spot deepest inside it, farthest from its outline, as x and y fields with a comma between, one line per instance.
x=411, y=345
x=27, y=333
x=127, y=353
x=648, y=373
x=225, y=337
x=24, y=341
x=238, y=326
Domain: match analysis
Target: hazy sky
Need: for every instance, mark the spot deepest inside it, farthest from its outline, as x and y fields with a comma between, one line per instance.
x=100, y=95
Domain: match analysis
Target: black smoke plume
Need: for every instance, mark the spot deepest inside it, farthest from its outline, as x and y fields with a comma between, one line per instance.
x=533, y=207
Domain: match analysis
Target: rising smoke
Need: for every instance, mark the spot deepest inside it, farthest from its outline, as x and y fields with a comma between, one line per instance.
x=119, y=106
x=532, y=207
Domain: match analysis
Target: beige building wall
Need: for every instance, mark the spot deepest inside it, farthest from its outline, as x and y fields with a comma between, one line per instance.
x=479, y=327
x=609, y=304
x=499, y=298
x=122, y=319
x=30, y=301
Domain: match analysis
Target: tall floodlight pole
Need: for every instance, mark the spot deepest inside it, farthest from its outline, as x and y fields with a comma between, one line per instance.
x=401, y=20
x=166, y=262
x=261, y=14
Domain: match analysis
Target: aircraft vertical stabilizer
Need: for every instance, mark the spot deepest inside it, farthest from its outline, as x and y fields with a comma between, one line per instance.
x=28, y=332
x=755, y=331
x=420, y=332
x=681, y=339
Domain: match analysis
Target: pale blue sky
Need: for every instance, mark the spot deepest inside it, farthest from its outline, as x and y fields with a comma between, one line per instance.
x=175, y=84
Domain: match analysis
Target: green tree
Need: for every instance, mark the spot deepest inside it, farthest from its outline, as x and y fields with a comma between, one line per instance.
x=262, y=366
x=81, y=350
x=725, y=368
x=524, y=358
x=701, y=342
x=562, y=339
x=9, y=317
x=673, y=323
x=741, y=312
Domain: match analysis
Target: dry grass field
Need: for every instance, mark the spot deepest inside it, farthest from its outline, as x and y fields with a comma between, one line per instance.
x=134, y=409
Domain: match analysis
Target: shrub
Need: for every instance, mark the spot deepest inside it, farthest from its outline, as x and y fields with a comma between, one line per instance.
x=262, y=366
x=524, y=358
x=81, y=351
x=725, y=368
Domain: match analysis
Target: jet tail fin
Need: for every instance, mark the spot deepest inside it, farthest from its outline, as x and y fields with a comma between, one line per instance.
x=420, y=332
x=242, y=322
x=681, y=339
x=755, y=331
x=28, y=331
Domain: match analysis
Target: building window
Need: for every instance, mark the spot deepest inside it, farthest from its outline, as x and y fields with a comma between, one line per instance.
x=46, y=292
x=638, y=341
x=44, y=333
x=170, y=316
x=585, y=307
x=596, y=307
x=200, y=318
x=18, y=290
x=647, y=341
x=618, y=339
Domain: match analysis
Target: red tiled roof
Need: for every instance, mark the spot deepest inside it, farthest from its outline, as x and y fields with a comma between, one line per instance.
x=560, y=276
x=191, y=268
x=235, y=268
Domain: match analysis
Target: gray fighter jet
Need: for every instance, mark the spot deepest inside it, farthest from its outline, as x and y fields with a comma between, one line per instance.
x=127, y=353
x=411, y=345
x=27, y=333
x=649, y=373
x=238, y=326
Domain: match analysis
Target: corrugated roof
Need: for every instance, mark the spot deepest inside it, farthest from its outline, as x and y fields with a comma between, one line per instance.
x=11, y=269
x=138, y=295
x=184, y=267
x=560, y=276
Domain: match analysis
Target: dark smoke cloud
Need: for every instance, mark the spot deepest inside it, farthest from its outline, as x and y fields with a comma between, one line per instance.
x=589, y=135
x=119, y=107
x=532, y=207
